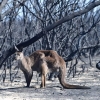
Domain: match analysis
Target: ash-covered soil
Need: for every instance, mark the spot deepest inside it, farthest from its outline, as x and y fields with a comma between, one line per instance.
x=53, y=91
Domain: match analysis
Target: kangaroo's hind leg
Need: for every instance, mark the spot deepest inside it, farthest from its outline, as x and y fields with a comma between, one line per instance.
x=44, y=70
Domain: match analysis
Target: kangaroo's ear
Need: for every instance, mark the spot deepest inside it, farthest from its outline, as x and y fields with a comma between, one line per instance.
x=18, y=49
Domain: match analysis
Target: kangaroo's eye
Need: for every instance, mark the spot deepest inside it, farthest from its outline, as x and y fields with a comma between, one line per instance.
x=17, y=54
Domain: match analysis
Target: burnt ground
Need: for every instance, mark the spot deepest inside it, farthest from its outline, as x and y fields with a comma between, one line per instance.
x=53, y=91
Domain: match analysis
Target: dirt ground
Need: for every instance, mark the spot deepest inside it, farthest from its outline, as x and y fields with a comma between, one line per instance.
x=53, y=91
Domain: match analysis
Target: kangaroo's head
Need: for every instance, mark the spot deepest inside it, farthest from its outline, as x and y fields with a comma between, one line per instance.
x=19, y=54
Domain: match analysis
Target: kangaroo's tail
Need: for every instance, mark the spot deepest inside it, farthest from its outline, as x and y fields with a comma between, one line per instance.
x=61, y=78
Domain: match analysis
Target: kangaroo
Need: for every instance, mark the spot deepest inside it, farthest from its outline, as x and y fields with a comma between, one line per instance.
x=44, y=61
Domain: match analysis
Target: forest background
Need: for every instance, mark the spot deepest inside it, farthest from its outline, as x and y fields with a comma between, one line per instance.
x=71, y=27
